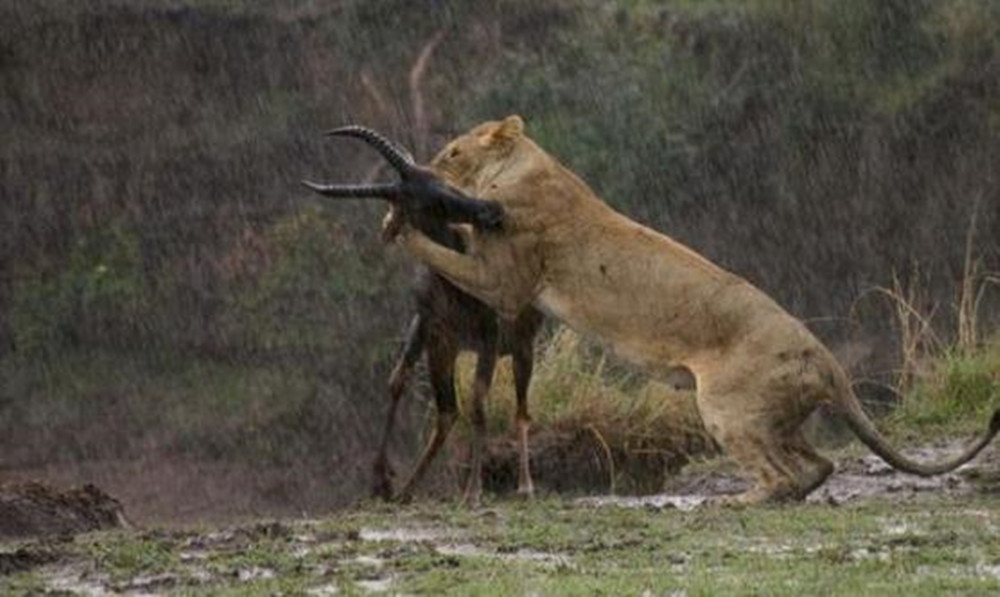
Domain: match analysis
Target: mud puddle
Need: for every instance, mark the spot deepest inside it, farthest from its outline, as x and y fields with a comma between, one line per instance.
x=450, y=542
x=403, y=534
x=361, y=560
x=198, y=559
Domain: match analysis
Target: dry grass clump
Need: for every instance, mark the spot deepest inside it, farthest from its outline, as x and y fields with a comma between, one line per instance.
x=579, y=404
x=949, y=384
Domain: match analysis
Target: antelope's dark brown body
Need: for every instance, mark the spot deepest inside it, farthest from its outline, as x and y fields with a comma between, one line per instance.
x=448, y=320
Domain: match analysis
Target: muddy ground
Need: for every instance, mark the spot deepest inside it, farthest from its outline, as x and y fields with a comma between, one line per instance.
x=858, y=477
x=869, y=527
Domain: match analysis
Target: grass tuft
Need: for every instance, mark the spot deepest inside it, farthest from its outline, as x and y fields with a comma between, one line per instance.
x=949, y=385
x=957, y=395
x=577, y=393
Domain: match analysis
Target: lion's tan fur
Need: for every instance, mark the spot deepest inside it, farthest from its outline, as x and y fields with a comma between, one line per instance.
x=759, y=371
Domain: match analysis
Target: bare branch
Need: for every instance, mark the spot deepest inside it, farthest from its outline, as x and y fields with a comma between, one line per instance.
x=379, y=100
x=421, y=126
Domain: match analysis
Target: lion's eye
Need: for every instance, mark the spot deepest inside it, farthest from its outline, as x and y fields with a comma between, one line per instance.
x=454, y=152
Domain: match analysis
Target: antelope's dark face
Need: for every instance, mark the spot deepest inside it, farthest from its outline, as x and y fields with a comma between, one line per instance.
x=432, y=192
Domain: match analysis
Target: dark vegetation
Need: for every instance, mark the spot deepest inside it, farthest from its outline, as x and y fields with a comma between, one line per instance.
x=174, y=305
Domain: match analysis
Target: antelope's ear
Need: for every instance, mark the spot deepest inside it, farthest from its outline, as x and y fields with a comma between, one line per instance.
x=510, y=128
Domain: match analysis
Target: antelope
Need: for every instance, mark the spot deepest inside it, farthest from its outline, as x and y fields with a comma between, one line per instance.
x=447, y=321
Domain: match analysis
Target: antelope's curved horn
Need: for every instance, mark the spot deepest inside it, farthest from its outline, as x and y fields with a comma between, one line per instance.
x=355, y=191
x=400, y=159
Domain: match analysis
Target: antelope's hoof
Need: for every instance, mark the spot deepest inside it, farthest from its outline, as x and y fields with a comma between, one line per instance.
x=526, y=493
x=382, y=490
x=472, y=499
x=382, y=487
x=403, y=498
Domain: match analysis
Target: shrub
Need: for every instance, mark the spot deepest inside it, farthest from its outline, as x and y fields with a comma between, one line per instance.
x=99, y=297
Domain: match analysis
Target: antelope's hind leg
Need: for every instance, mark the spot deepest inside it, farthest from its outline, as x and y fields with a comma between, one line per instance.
x=441, y=355
x=523, y=357
x=413, y=346
x=486, y=361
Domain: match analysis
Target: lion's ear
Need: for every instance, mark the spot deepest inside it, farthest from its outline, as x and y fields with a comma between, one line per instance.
x=511, y=127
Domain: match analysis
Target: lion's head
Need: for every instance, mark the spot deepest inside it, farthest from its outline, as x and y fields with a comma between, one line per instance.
x=468, y=159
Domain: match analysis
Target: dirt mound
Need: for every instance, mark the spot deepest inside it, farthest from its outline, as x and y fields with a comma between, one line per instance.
x=586, y=460
x=35, y=509
x=24, y=558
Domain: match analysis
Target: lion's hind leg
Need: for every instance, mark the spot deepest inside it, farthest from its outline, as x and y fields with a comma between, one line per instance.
x=781, y=471
x=774, y=472
x=815, y=468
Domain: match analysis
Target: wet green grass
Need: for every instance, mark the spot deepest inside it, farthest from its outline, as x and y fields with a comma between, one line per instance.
x=956, y=397
x=925, y=546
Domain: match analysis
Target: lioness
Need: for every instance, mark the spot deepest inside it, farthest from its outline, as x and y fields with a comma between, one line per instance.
x=759, y=371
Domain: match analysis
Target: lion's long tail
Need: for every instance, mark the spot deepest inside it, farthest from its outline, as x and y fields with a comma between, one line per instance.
x=863, y=427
